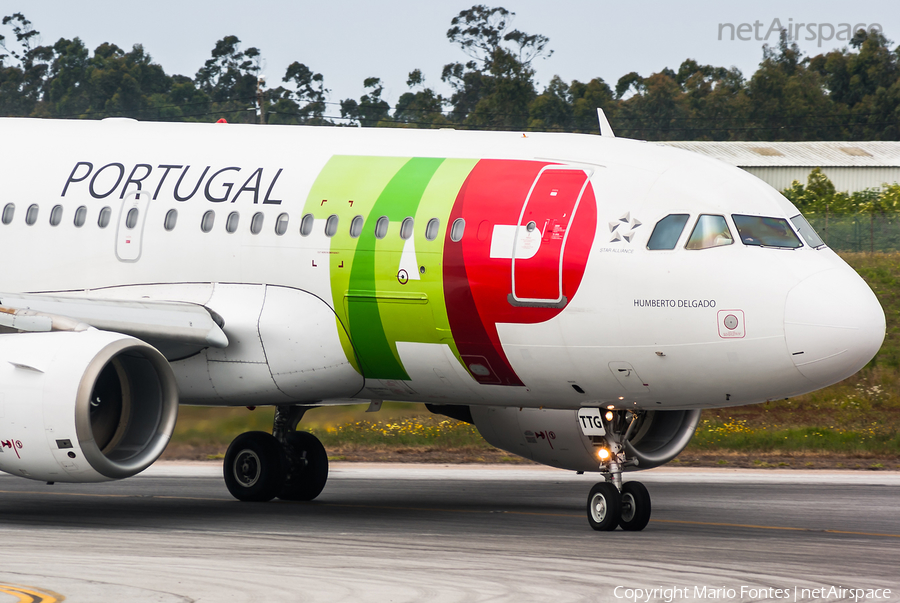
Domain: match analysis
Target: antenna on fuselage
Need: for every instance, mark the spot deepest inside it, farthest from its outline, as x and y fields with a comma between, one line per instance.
x=605, y=128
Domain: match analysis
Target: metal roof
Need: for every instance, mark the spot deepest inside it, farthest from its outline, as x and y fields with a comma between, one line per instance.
x=798, y=154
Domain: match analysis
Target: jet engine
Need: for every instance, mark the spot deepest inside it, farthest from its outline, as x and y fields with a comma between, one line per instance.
x=85, y=406
x=553, y=437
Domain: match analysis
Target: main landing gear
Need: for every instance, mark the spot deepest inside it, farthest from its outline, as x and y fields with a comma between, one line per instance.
x=612, y=503
x=288, y=464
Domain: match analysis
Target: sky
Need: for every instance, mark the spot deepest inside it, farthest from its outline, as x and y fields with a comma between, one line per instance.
x=349, y=40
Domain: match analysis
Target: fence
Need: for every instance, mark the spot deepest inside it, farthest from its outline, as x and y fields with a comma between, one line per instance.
x=858, y=232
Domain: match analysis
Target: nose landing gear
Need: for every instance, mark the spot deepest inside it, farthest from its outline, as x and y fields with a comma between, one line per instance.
x=608, y=508
x=613, y=502
x=289, y=464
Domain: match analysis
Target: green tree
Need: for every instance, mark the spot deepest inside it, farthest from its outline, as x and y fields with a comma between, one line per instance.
x=23, y=80
x=230, y=77
x=553, y=108
x=586, y=98
x=305, y=103
x=421, y=107
x=371, y=108
x=112, y=82
x=659, y=110
x=788, y=100
x=819, y=196
x=496, y=86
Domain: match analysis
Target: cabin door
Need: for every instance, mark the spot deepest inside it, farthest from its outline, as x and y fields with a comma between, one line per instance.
x=541, y=233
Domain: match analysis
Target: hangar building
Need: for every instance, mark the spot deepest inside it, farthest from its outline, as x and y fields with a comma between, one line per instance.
x=851, y=166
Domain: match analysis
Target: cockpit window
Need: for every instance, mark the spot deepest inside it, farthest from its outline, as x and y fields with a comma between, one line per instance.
x=710, y=231
x=808, y=233
x=766, y=232
x=667, y=231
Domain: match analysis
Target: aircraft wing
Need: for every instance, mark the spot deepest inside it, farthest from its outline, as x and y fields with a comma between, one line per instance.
x=176, y=328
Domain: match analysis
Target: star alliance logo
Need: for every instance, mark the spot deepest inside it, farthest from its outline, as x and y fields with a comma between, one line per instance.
x=623, y=228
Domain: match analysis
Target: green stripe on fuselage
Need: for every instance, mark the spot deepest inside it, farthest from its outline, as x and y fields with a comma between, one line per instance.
x=378, y=308
x=399, y=200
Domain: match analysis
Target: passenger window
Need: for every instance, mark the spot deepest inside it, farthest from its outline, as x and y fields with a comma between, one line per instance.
x=765, y=232
x=808, y=233
x=80, y=216
x=710, y=231
x=9, y=212
x=256, y=223
x=171, y=219
x=232, y=221
x=457, y=230
x=356, y=226
x=667, y=232
x=103, y=218
x=431, y=229
x=406, y=228
x=31, y=215
x=56, y=215
x=381, y=227
x=208, y=221
x=306, y=225
x=331, y=226
x=131, y=218
x=281, y=224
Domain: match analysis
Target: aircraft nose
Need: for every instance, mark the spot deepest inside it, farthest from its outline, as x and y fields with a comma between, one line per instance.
x=833, y=325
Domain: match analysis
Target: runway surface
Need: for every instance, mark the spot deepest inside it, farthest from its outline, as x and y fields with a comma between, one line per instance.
x=431, y=533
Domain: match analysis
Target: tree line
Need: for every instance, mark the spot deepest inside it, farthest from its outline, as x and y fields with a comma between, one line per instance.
x=847, y=94
x=820, y=197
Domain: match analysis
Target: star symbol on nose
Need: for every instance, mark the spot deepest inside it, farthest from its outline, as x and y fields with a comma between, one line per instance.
x=623, y=228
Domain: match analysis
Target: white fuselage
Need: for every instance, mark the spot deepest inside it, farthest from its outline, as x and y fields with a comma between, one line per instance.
x=672, y=328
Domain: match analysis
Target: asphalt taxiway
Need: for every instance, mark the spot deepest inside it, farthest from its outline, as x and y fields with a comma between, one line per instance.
x=449, y=533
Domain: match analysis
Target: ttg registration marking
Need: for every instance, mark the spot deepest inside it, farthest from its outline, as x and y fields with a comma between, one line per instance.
x=591, y=422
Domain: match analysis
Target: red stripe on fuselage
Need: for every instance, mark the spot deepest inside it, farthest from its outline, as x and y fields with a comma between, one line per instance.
x=477, y=287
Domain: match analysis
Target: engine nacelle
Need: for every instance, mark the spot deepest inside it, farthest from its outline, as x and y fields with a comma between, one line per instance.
x=84, y=406
x=553, y=437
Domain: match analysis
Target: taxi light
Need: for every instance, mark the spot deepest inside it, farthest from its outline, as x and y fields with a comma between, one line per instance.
x=603, y=453
x=609, y=415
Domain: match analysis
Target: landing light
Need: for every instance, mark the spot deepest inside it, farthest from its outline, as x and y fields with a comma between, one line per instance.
x=603, y=453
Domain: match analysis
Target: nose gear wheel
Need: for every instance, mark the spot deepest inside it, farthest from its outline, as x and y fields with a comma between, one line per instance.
x=604, y=507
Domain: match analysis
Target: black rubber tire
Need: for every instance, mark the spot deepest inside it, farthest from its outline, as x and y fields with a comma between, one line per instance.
x=307, y=467
x=254, y=467
x=604, y=507
x=636, y=509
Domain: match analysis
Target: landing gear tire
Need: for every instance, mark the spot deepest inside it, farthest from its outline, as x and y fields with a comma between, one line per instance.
x=604, y=507
x=306, y=469
x=635, y=513
x=254, y=467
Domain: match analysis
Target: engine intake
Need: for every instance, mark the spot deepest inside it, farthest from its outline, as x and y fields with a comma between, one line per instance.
x=84, y=406
x=661, y=435
x=553, y=436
